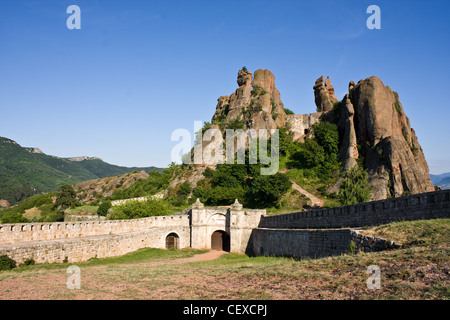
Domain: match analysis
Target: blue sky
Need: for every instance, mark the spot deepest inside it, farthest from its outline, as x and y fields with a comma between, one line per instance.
x=137, y=70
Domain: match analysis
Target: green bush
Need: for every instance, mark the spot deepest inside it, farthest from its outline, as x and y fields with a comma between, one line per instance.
x=184, y=189
x=288, y=111
x=327, y=135
x=235, y=124
x=352, y=248
x=13, y=217
x=29, y=262
x=140, y=209
x=266, y=191
x=103, y=208
x=355, y=187
x=222, y=196
x=6, y=263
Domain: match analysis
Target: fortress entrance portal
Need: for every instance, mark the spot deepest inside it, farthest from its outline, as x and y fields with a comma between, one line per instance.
x=220, y=240
x=172, y=241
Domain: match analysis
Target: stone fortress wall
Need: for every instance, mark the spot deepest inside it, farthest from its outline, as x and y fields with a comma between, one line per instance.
x=329, y=231
x=26, y=232
x=415, y=207
x=314, y=233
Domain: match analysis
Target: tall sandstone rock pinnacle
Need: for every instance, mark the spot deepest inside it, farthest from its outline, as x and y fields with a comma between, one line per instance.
x=324, y=95
x=256, y=103
x=393, y=156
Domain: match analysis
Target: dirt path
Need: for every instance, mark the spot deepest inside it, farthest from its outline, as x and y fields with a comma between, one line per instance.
x=208, y=256
x=316, y=202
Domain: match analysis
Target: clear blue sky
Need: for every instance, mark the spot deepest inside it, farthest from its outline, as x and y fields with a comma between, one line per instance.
x=137, y=70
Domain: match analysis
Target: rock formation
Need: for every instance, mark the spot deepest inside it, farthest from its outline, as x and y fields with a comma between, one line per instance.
x=374, y=119
x=348, y=152
x=4, y=204
x=256, y=103
x=324, y=95
x=374, y=130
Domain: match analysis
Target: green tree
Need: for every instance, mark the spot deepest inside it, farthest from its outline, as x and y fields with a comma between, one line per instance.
x=103, y=208
x=312, y=153
x=266, y=191
x=355, y=187
x=327, y=135
x=222, y=196
x=67, y=198
x=13, y=217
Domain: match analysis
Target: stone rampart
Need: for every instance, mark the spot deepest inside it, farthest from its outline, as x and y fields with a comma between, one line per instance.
x=25, y=232
x=430, y=205
x=313, y=243
x=101, y=246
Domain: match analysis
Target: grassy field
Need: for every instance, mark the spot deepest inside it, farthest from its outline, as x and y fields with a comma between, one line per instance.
x=420, y=270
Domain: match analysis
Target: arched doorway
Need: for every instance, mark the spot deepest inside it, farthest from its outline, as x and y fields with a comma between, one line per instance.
x=220, y=240
x=172, y=241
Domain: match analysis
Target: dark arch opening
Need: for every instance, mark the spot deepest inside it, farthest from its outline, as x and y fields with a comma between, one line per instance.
x=172, y=241
x=220, y=241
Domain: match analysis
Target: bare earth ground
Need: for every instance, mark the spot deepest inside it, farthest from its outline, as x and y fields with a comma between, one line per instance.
x=414, y=273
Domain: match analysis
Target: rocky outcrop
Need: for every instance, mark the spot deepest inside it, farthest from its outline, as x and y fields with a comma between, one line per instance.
x=324, y=95
x=91, y=190
x=256, y=104
x=373, y=128
x=348, y=152
x=393, y=157
x=4, y=204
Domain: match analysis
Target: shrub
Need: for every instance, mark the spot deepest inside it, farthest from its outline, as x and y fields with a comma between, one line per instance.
x=398, y=108
x=352, y=248
x=13, y=217
x=355, y=187
x=266, y=191
x=103, y=208
x=208, y=173
x=288, y=111
x=327, y=135
x=140, y=209
x=185, y=189
x=29, y=262
x=235, y=124
x=6, y=263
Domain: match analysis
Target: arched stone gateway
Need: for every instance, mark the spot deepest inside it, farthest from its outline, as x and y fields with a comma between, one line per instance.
x=220, y=241
x=226, y=228
x=172, y=241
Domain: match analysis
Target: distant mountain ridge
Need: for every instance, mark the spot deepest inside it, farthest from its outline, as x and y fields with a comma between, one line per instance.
x=27, y=171
x=441, y=180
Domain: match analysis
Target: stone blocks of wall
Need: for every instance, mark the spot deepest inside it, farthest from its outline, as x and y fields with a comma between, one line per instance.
x=299, y=243
x=364, y=243
x=431, y=205
x=24, y=232
x=313, y=243
x=102, y=246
